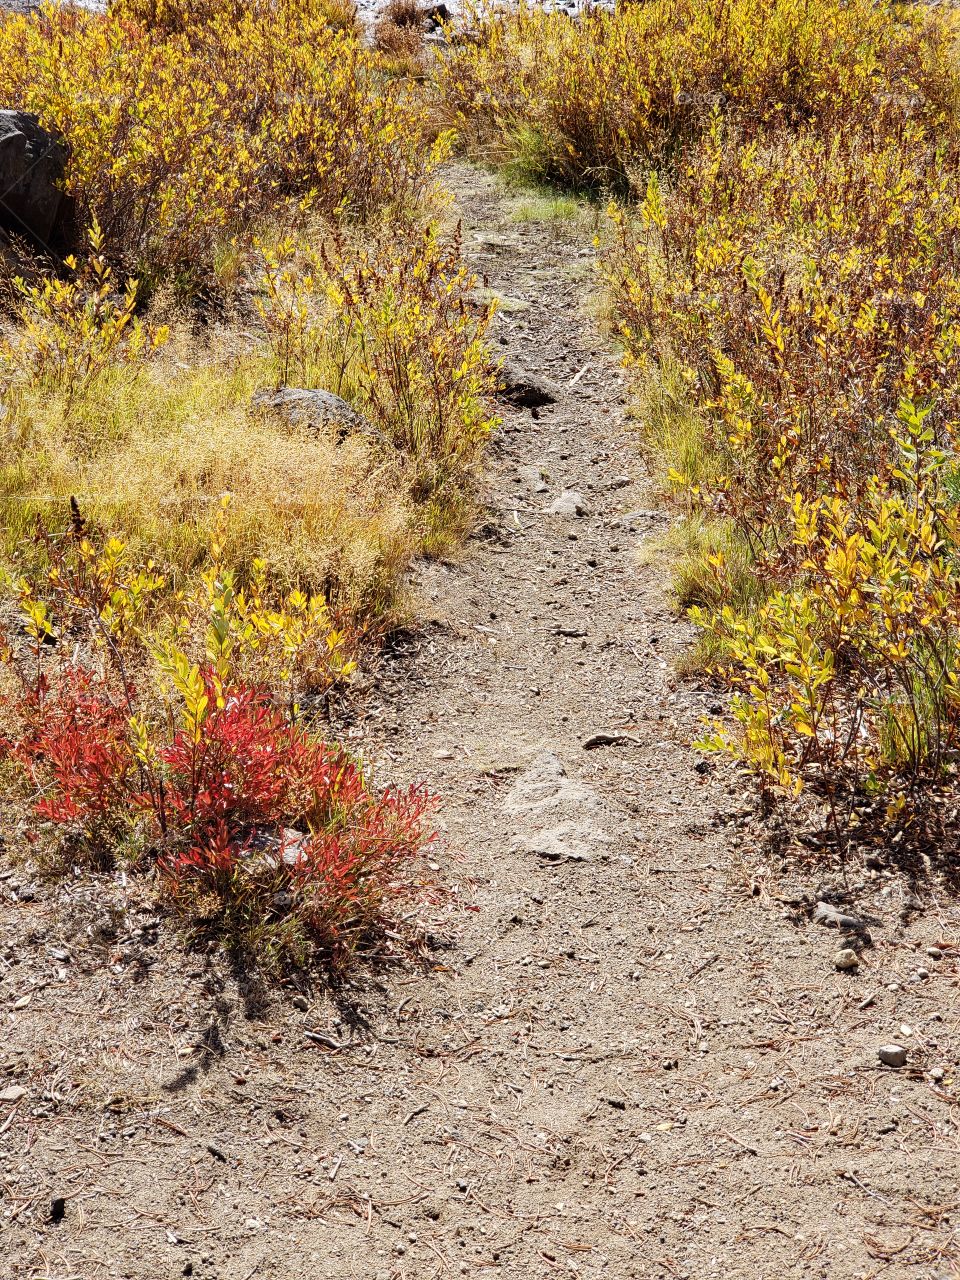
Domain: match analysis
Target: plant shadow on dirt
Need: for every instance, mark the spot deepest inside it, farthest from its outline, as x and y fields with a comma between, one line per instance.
x=922, y=851
x=237, y=986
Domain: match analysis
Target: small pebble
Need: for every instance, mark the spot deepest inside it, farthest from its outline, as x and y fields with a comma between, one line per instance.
x=936, y=1074
x=922, y=974
x=934, y=953
x=892, y=1055
x=846, y=958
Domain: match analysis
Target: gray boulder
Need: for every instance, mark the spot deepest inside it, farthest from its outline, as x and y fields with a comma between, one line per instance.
x=317, y=410
x=32, y=166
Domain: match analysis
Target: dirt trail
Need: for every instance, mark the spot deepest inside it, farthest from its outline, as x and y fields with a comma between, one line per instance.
x=625, y=1064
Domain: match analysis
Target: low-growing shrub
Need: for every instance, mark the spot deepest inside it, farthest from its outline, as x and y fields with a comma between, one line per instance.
x=792, y=295
x=849, y=674
x=68, y=333
x=790, y=304
x=180, y=140
x=183, y=741
x=391, y=326
x=148, y=423
x=587, y=100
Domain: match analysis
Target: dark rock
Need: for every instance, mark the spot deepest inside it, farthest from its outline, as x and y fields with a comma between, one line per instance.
x=32, y=166
x=435, y=15
x=527, y=390
x=58, y=1207
x=316, y=410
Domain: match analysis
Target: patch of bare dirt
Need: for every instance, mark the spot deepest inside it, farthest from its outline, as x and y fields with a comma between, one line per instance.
x=629, y=1053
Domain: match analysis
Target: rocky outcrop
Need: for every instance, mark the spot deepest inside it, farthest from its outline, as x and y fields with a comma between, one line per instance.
x=32, y=165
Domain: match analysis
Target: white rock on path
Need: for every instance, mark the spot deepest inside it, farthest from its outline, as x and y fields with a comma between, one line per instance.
x=570, y=503
x=558, y=819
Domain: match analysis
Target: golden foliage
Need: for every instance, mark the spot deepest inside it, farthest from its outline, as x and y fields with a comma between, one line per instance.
x=587, y=101
x=788, y=295
x=182, y=138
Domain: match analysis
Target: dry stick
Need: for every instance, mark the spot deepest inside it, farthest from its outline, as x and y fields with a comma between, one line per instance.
x=443, y=1262
x=740, y=1143
x=418, y=1111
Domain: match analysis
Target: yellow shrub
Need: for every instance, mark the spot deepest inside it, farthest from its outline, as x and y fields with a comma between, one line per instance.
x=390, y=326
x=585, y=101
x=797, y=291
x=789, y=300
x=179, y=140
x=851, y=673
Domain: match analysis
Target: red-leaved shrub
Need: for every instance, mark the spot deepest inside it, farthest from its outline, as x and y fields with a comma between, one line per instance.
x=185, y=743
x=250, y=815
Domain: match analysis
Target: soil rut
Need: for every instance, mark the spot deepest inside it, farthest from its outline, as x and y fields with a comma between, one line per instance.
x=629, y=1060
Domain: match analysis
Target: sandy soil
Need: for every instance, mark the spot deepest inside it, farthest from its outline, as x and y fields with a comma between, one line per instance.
x=629, y=1054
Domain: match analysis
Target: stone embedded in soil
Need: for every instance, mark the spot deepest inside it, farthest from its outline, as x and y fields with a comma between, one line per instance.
x=829, y=916
x=316, y=410
x=13, y=1093
x=532, y=477
x=557, y=819
x=524, y=388
x=570, y=503
x=892, y=1055
x=565, y=843
x=846, y=958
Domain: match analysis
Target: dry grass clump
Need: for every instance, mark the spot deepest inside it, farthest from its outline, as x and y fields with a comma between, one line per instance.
x=149, y=452
x=399, y=35
x=148, y=425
